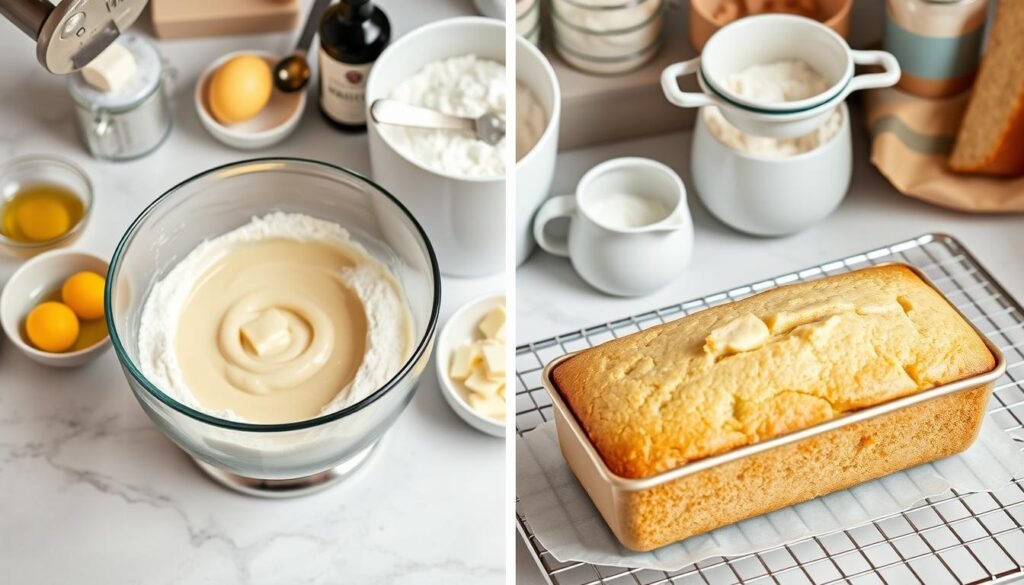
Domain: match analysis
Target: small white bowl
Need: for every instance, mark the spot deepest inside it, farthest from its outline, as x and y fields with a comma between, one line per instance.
x=34, y=279
x=462, y=328
x=273, y=124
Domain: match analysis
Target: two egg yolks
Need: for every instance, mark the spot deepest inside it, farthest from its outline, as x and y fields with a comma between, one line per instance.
x=55, y=326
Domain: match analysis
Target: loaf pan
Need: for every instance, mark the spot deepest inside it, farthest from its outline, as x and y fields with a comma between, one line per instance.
x=702, y=495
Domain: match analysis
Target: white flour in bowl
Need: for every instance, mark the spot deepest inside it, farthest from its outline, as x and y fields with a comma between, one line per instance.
x=466, y=86
x=739, y=141
x=531, y=120
x=781, y=81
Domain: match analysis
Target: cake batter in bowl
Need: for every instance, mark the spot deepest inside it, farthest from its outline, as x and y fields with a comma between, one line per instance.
x=385, y=339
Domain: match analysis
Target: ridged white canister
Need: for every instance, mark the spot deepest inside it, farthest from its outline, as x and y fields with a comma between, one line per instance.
x=937, y=42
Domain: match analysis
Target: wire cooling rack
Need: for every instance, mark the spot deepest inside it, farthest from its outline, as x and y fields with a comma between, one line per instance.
x=952, y=538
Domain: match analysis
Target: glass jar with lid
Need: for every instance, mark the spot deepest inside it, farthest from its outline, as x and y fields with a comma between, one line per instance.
x=528, y=20
x=607, y=36
x=133, y=120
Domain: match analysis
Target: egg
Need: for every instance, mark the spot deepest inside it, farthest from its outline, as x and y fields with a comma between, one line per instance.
x=52, y=327
x=42, y=219
x=240, y=89
x=83, y=293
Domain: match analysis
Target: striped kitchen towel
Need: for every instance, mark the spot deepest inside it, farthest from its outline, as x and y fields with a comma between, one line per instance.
x=911, y=139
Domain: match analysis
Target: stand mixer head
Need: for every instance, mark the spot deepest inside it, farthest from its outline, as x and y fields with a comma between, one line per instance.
x=71, y=33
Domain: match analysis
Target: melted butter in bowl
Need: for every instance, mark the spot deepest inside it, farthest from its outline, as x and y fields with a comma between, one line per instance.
x=281, y=320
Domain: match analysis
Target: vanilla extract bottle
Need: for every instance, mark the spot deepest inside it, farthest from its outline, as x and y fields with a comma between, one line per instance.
x=353, y=33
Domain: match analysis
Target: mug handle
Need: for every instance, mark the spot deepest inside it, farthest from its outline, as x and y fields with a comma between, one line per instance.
x=675, y=95
x=554, y=208
x=887, y=78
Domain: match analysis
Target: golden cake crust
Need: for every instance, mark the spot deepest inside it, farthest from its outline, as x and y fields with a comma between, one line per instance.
x=773, y=363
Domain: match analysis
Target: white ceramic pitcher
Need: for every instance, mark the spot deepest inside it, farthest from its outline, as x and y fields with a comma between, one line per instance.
x=624, y=261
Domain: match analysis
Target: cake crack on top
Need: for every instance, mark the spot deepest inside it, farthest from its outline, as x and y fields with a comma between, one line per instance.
x=764, y=366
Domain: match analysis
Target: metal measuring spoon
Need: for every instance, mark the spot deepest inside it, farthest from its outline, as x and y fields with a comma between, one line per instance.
x=489, y=127
x=292, y=73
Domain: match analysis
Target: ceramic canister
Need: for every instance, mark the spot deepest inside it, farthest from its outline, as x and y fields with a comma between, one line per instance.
x=528, y=20
x=132, y=121
x=937, y=42
x=607, y=37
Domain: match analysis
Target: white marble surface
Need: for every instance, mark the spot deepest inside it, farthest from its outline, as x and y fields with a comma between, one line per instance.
x=92, y=493
x=551, y=299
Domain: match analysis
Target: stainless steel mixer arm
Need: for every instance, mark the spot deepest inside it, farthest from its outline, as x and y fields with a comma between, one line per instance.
x=27, y=15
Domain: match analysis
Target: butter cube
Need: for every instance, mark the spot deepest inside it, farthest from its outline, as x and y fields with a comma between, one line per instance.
x=463, y=361
x=489, y=406
x=111, y=69
x=499, y=333
x=478, y=382
x=741, y=334
x=494, y=360
x=267, y=334
x=493, y=324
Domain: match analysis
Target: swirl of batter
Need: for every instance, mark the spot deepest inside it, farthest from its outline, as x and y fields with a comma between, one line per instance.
x=276, y=333
x=274, y=339
x=283, y=319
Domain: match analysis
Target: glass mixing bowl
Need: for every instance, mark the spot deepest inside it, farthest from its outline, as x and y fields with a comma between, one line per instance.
x=227, y=197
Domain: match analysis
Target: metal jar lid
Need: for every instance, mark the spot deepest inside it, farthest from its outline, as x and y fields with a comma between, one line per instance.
x=146, y=80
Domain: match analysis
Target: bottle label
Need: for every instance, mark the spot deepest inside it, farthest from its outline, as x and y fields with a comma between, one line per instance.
x=343, y=89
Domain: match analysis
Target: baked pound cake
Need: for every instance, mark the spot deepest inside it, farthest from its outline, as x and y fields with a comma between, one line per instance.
x=991, y=137
x=774, y=363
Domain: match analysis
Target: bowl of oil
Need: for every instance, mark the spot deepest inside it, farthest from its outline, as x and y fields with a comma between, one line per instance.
x=44, y=204
x=52, y=308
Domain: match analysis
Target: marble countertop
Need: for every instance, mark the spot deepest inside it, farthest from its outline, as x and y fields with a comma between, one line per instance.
x=93, y=493
x=551, y=299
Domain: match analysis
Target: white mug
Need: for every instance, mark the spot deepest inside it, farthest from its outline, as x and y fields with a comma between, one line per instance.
x=629, y=251
x=767, y=38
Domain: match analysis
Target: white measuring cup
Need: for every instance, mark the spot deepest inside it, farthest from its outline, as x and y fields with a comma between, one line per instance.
x=768, y=38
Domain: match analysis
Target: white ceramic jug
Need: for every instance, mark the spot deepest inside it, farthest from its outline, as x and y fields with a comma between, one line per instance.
x=614, y=254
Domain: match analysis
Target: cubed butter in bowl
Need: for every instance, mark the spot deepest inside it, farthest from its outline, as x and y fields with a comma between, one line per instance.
x=471, y=358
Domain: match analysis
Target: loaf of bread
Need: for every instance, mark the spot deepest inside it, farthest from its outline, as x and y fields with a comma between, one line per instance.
x=991, y=137
x=767, y=365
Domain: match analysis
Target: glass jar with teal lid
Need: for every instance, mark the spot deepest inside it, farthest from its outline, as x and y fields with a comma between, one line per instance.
x=937, y=42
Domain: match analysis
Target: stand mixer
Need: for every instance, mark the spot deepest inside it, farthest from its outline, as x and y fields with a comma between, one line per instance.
x=71, y=33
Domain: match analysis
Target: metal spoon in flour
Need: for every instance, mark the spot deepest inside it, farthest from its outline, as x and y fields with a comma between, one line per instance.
x=489, y=128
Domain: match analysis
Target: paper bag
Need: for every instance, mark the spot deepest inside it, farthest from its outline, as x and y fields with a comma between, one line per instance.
x=911, y=139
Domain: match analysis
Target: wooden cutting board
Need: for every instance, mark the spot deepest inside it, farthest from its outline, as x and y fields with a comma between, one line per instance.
x=181, y=19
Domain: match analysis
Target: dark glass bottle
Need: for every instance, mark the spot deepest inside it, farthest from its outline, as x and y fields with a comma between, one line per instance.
x=353, y=33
